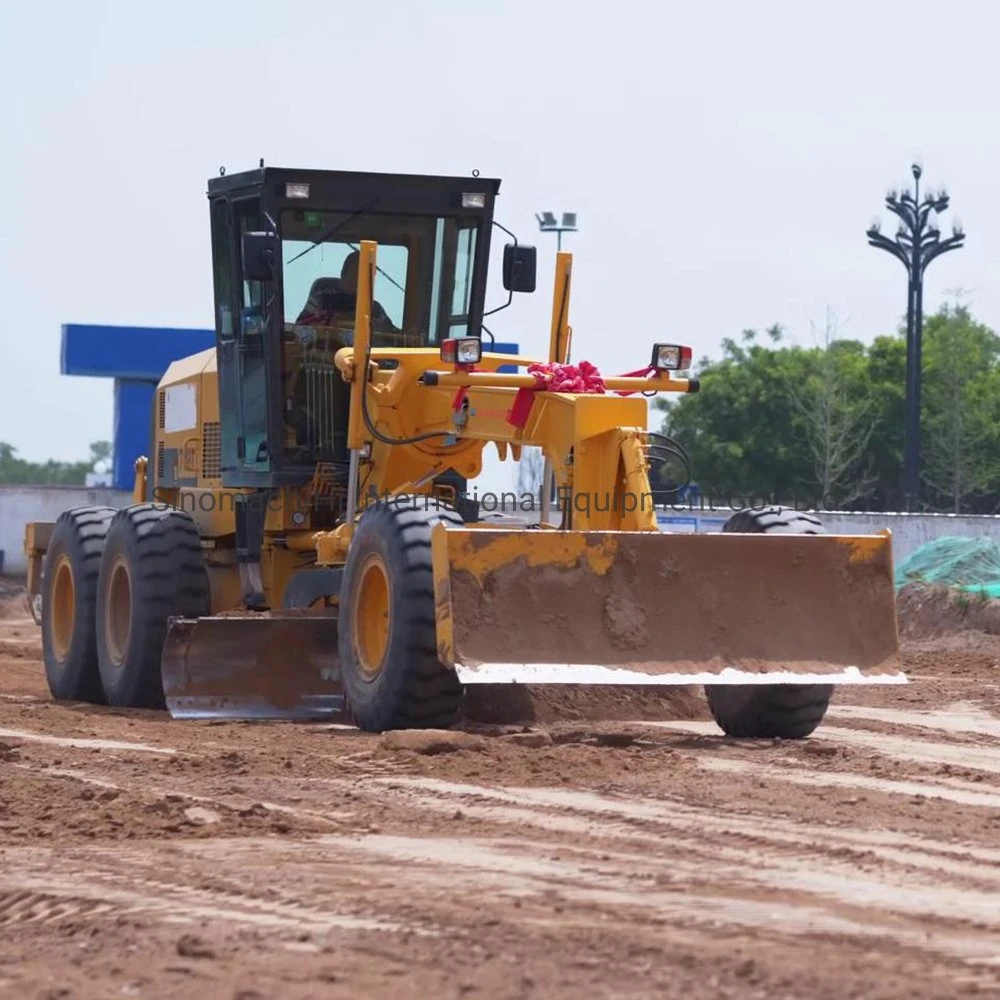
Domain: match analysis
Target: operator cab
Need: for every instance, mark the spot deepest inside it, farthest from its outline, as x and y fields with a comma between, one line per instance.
x=285, y=257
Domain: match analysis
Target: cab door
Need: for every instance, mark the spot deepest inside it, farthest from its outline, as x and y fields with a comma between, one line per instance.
x=241, y=335
x=457, y=244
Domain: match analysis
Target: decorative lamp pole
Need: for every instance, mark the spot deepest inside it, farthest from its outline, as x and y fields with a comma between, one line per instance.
x=917, y=242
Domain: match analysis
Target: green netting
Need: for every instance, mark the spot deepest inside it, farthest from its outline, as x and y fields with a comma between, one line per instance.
x=963, y=563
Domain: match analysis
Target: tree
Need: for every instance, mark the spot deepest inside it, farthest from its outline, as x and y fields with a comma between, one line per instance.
x=837, y=413
x=886, y=380
x=741, y=429
x=15, y=470
x=782, y=422
x=961, y=409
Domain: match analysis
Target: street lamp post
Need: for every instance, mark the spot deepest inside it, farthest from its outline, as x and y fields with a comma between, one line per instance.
x=917, y=242
x=548, y=223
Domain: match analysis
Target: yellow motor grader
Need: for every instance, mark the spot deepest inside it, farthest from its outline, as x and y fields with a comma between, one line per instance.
x=303, y=538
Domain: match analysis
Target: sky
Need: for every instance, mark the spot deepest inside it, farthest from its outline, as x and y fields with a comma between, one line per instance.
x=724, y=160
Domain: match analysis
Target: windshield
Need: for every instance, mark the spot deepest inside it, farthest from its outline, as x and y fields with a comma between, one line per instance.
x=424, y=289
x=423, y=283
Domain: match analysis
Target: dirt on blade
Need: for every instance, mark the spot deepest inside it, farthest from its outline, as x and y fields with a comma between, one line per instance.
x=606, y=608
x=568, y=842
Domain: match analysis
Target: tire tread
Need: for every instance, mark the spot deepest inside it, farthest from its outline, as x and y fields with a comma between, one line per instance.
x=417, y=691
x=80, y=532
x=169, y=578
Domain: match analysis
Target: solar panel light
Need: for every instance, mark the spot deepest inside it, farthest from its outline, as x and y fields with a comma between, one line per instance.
x=295, y=189
x=670, y=357
x=461, y=351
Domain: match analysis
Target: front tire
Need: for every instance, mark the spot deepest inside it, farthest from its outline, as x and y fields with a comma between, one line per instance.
x=769, y=711
x=68, y=598
x=387, y=640
x=152, y=568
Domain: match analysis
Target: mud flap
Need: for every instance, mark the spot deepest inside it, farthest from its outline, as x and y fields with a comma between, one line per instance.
x=563, y=607
x=266, y=666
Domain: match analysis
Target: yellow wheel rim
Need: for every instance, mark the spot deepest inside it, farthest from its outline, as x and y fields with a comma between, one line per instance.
x=118, y=611
x=63, y=616
x=371, y=616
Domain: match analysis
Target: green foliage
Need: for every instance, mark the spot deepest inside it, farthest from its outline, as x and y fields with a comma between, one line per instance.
x=823, y=425
x=961, y=409
x=14, y=470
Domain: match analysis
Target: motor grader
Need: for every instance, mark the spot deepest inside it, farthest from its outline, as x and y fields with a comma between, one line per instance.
x=303, y=539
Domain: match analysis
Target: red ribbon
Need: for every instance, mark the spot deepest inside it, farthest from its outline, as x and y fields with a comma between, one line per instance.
x=641, y=373
x=556, y=377
x=463, y=390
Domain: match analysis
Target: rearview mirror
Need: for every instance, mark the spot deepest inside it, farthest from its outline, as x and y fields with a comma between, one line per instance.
x=518, y=268
x=260, y=256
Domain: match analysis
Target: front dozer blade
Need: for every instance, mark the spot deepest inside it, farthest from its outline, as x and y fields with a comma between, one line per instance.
x=564, y=607
x=281, y=666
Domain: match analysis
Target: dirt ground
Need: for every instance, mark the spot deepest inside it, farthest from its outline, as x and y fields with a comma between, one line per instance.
x=614, y=848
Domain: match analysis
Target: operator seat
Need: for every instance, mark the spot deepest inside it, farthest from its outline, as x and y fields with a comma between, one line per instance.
x=327, y=297
x=332, y=300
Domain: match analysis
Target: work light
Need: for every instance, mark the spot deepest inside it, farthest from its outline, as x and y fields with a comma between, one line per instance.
x=461, y=351
x=670, y=357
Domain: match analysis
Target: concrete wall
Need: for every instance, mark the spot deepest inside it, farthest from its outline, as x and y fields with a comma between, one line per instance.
x=909, y=531
x=21, y=504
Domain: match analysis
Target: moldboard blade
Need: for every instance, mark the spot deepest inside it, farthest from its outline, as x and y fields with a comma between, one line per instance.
x=651, y=608
x=280, y=667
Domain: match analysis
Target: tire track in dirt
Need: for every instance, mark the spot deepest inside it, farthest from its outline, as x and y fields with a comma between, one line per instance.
x=964, y=718
x=645, y=852
x=964, y=793
x=24, y=906
x=920, y=879
x=720, y=887
x=900, y=748
x=80, y=743
x=481, y=866
x=105, y=893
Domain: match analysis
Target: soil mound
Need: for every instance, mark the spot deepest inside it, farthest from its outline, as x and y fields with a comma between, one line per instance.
x=12, y=600
x=928, y=612
x=515, y=703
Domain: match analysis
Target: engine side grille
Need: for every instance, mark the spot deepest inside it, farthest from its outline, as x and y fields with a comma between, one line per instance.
x=211, y=451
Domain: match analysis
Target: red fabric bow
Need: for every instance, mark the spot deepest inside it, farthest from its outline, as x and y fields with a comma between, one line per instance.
x=554, y=377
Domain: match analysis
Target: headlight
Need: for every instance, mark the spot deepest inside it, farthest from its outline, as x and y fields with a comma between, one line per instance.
x=464, y=351
x=671, y=358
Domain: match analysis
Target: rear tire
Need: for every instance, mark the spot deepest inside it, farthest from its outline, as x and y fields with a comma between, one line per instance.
x=152, y=568
x=68, y=593
x=785, y=711
x=387, y=638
